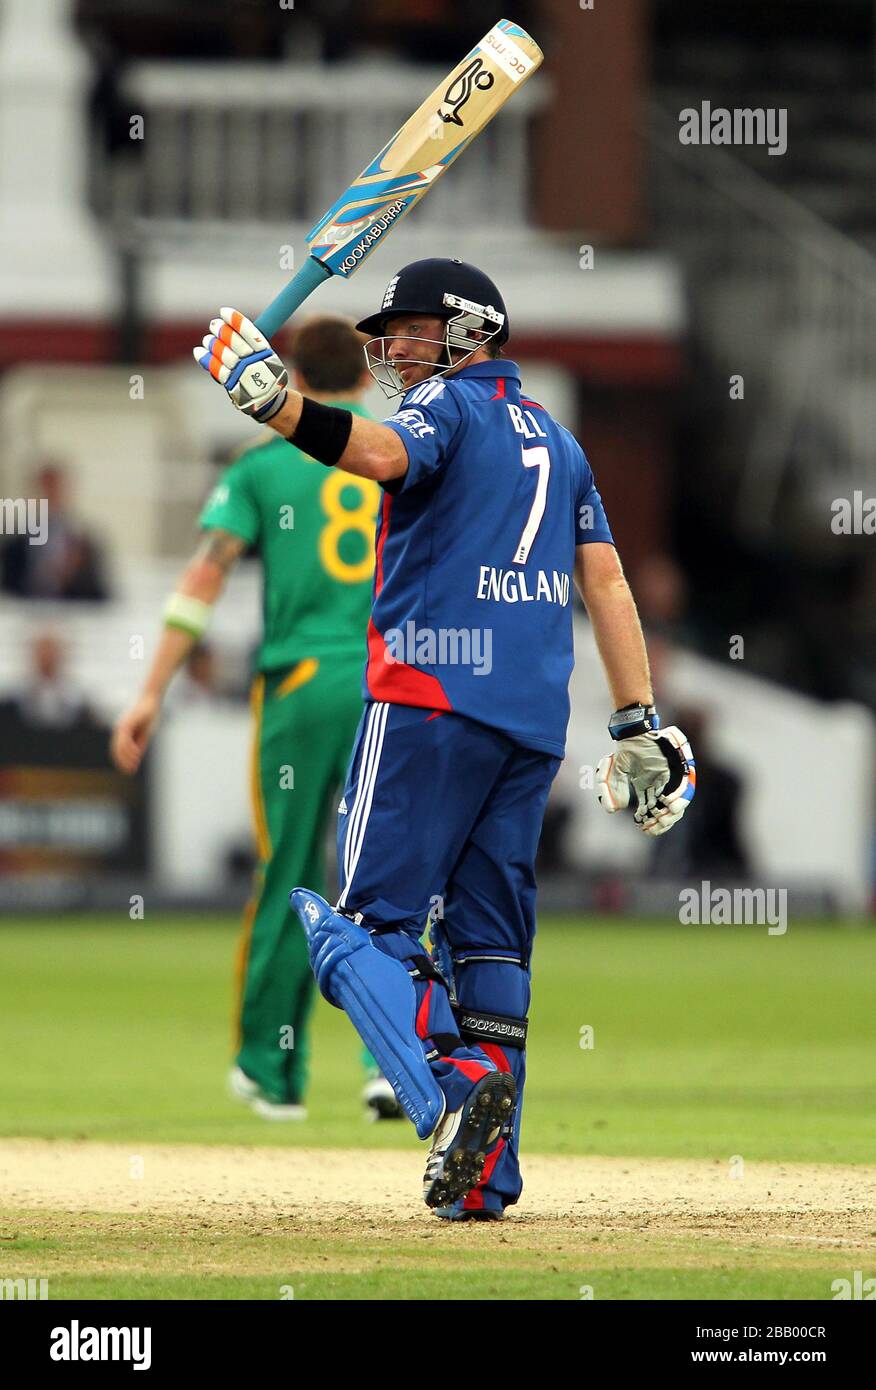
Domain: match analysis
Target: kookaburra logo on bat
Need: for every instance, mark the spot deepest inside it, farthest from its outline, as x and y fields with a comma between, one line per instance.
x=461, y=88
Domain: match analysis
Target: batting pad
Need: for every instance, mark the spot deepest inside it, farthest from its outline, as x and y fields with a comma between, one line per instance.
x=377, y=995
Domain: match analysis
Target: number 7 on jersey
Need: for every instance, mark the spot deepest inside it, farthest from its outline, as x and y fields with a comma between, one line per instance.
x=534, y=458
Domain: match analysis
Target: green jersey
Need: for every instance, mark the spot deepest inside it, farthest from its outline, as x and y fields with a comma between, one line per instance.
x=313, y=528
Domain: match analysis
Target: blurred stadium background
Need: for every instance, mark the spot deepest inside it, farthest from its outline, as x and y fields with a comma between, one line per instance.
x=641, y=274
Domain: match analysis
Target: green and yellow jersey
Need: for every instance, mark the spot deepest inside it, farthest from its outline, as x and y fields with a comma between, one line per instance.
x=313, y=529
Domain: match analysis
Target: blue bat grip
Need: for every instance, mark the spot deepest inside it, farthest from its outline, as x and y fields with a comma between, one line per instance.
x=311, y=274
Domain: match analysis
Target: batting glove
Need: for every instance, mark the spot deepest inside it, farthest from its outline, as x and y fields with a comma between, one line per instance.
x=242, y=360
x=659, y=767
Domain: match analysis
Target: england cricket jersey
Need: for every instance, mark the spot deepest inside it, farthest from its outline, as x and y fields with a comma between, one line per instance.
x=475, y=553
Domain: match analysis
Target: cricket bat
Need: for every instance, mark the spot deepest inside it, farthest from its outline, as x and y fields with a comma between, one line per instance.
x=410, y=164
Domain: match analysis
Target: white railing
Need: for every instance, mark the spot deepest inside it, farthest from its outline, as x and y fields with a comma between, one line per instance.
x=789, y=303
x=253, y=144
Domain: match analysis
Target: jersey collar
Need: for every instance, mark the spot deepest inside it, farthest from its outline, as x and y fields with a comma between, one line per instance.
x=499, y=367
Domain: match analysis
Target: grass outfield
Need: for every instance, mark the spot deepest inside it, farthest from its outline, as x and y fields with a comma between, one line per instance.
x=709, y=1042
x=140, y=1258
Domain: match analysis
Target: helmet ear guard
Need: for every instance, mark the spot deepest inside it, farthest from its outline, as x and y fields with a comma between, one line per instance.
x=472, y=318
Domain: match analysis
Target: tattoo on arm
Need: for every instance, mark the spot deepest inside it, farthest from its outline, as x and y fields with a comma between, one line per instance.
x=221, y=548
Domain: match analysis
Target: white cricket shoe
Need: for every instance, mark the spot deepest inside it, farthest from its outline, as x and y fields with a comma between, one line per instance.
x=380, y=1101
x=275, y=1110
x=243, y=1088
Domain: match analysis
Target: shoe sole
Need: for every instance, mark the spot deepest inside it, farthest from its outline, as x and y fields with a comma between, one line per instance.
x=488, y=1109
x=484, y=1214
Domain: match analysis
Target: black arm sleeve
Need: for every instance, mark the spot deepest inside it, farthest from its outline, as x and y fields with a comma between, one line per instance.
x=323, y=431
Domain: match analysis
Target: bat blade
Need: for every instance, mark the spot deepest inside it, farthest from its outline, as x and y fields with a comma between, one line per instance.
x=411, y=162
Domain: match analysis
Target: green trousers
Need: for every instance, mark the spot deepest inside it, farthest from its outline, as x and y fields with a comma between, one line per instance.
x=305, y=721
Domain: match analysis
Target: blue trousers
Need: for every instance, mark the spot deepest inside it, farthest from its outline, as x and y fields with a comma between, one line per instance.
x=441, y=817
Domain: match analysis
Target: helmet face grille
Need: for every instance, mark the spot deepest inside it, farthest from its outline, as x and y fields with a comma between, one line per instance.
x=464, y=334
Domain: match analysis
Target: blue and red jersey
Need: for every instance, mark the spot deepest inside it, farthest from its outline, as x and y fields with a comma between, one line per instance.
x=475, y=553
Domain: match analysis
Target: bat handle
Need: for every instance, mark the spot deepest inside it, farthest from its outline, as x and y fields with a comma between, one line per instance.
x=311, y=274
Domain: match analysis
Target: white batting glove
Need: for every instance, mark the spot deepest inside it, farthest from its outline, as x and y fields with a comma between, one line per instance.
x=659, y=766
x=242, y=360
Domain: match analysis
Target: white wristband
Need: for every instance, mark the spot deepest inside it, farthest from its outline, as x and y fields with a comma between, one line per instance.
x=190, y=614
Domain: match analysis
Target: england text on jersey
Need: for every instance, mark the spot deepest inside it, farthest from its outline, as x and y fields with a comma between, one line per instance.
x=514, y=586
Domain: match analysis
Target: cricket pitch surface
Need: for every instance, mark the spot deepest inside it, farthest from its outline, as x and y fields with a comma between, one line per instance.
x=106, y=1220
